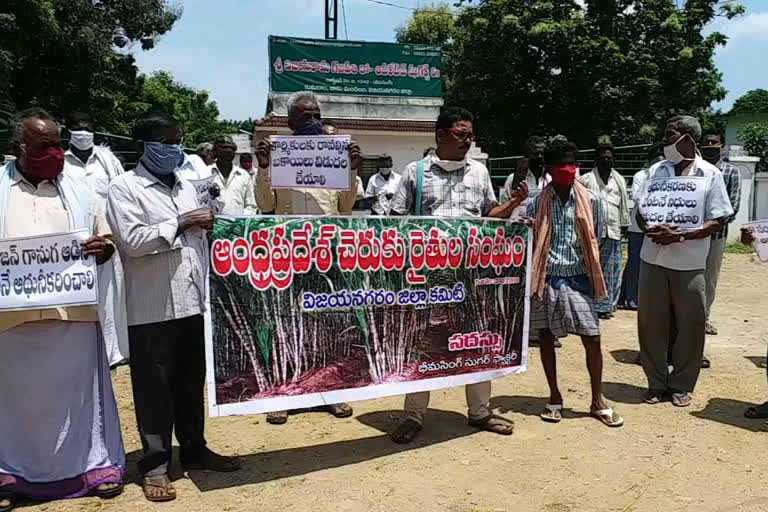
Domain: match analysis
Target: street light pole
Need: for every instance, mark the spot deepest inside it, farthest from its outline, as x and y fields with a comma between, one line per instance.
x=331, y=19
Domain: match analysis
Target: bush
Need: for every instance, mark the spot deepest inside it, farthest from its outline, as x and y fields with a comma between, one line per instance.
x=754, y=136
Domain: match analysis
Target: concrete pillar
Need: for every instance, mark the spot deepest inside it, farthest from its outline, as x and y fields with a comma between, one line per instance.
x=750, y=194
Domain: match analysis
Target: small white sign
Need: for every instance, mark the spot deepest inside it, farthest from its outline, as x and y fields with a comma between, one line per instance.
x=677, y=200
x=312, y=161
x=46, y=271
x=203, y=189
x=759, y=230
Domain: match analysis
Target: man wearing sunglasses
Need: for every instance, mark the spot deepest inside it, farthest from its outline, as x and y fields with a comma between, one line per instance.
x=711, y=150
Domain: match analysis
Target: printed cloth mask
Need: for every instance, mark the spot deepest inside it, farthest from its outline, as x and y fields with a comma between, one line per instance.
x=309, y=127
x=672, y=154
x=81, y=139
x=564, y=174
x=162, y=159
x=46, y=163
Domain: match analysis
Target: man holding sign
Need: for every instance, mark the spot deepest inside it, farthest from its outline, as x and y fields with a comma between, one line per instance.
x=55, y=377
x=683, y=202
x=305, y=119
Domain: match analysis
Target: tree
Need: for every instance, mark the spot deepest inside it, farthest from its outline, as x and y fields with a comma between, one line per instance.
x=428, y=25
x=754, y=136
x=194, y=109
x=60, y=54
x=755, y=101
x=616, y=67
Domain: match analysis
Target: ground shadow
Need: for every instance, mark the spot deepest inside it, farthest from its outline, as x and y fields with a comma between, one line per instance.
x=729, y=412
x=529, y=406
x=440, y=426
x=623, y=393
x=625, y=356
x=758, y=361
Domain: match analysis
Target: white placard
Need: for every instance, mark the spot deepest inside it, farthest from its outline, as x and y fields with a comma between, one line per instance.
x=46, y=271
x=316, y=161
x=677, y=200
x=202, y=187
x=759, y=230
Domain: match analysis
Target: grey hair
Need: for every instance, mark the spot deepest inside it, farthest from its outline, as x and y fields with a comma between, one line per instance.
x=205, y=146
x=687, y=125
x=297, y=97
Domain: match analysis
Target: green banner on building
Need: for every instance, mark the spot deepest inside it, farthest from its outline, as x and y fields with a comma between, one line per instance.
x=354, y=68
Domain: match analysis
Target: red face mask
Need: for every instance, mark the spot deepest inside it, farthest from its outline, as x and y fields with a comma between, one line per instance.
x=247, y=165
x=564, y=174
x=46, y=163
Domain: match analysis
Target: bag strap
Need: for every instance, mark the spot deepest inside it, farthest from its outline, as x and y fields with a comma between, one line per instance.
x=419, y=180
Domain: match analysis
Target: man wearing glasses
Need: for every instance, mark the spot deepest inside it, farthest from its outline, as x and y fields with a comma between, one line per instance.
x=711, y=150
x=452, y=185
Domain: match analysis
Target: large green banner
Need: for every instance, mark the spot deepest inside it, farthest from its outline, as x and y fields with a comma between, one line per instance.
x=356, y=68
x=307, y=311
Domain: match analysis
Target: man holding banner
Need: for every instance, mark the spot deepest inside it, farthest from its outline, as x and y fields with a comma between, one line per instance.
x=445, y=183
x=59, y=424
x=683, y=202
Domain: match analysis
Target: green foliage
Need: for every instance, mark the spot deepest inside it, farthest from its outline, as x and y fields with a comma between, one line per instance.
x=433, y=24
x=555, y=67
x=59, y=54
x=754, y=137
x=738, y=248
x=755, y=101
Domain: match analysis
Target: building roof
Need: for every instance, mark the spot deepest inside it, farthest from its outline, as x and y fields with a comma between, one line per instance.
x=348, y=123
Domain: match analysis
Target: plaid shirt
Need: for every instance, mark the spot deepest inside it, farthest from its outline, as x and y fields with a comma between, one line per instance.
x=466, y=192
x=732, y=180
x=565, y=257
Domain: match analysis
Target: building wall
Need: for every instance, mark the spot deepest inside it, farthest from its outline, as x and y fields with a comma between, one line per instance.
x=402, y=148
x=736, y=122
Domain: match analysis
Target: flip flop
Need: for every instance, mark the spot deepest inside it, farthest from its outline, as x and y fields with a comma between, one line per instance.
x=495, y=424
x=608, y=416
x=757, y=412
x=552, y=413
x=11, y=498
x=339, y=410
x=277, y=417
x=406, y=432
x=681, y=399
x=159, y=482
x=106, y=494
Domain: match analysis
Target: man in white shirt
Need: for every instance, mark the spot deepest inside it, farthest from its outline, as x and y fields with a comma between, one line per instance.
x=611, y=188
x=97, y=166
x=203, y=157
x=381, y=188
x=532, y=164
x=160, y=231
x=234, y=183
x=672, y=294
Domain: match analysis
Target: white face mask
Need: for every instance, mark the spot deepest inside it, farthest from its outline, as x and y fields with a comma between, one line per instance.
x=451, y=165
x=385, y=172
x=672, y=154
x=81, y=139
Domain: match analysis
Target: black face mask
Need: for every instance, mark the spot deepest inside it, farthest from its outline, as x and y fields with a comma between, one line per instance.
x=711, y=154
x=605, y=164
x=535, y=163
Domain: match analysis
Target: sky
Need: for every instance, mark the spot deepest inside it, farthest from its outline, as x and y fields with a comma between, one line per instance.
x=221, y=46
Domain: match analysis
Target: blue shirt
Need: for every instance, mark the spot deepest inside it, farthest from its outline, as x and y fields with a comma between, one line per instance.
x=565, y=256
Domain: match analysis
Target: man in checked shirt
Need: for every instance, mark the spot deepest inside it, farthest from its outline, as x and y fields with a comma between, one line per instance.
x=453, y=186
x=711, y=150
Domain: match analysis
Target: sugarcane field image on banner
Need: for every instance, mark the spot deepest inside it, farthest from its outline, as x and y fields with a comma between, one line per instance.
x=307, y=311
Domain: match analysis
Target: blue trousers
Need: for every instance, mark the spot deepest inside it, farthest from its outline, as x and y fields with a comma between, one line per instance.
x=628, y=296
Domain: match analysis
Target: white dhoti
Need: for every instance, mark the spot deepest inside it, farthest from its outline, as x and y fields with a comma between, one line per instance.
x=112, y=313
x=59, y=427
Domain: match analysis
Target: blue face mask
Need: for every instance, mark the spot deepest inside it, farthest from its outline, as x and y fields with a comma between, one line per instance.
x=309, y=127
x=162, y=159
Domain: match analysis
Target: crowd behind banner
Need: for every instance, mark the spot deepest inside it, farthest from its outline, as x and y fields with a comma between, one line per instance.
x=443, y=284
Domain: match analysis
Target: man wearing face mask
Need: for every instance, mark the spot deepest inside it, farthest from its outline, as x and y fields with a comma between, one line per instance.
x=160, y=231
x=566, y=278
x=98, y=166
x=711, y=150
x=611, y=188
x=55, y=376
x=304, y=118
x=672, y=294
x=532, y=164
x=246, y=162
x=452, y=185
x=381, y=188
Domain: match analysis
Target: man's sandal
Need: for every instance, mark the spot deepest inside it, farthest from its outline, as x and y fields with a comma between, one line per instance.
x=162, y=487
x=757, y=412
x=339, y=410
x=495, y=424
x=608, y=417
x=108, y=493
x=277, y=417
x=552, y=413
x=10, y=498
x=406, y=432
x=681, y=399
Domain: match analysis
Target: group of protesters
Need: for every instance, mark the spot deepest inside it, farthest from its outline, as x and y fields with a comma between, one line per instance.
x=60, y=429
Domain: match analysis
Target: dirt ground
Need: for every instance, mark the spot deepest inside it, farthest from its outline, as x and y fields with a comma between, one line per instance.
x=706, y=457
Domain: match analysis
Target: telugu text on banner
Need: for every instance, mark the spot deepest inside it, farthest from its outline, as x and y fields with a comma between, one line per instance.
x=306, y=311
x=759, y=230
x=46, y=271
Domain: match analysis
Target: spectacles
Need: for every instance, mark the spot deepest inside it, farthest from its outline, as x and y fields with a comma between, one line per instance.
x=462, y=135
